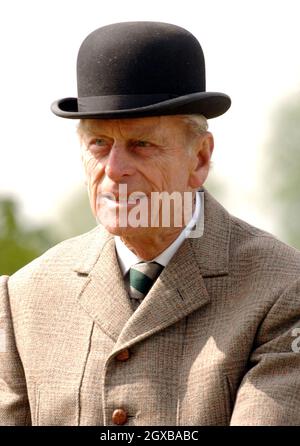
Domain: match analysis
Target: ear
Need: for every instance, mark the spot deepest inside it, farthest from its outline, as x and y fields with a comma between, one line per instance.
x=202, y=152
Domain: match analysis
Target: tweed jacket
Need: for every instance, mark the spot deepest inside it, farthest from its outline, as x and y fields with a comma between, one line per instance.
x=213, y=343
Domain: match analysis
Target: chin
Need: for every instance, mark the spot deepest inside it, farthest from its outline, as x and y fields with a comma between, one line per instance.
x=115, y=230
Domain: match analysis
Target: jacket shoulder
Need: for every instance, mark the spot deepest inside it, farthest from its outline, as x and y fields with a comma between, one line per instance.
x=263, y=249
x=62, y=256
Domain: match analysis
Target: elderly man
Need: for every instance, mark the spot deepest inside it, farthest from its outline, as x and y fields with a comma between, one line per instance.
x=188, y=316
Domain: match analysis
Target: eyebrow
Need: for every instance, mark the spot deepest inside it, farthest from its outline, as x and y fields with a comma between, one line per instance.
x=147, y=133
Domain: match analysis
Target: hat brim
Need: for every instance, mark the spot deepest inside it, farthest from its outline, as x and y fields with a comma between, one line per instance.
x=209, y=104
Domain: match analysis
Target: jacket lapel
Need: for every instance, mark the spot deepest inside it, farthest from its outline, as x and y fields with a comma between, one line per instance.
x=103, y=295
x=179, y=290
x=211, y=251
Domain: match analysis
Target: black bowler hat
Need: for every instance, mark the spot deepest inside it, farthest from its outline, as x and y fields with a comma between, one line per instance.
x=136, y=69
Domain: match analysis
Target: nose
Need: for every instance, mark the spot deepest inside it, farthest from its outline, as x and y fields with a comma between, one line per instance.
x=119, y=163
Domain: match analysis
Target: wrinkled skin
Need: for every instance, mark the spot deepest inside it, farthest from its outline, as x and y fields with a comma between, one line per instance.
x=153, y=154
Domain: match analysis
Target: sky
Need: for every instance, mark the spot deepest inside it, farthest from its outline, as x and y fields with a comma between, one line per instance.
x=251, y=51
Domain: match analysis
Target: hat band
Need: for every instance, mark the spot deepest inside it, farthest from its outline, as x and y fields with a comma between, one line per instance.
x=120, y=102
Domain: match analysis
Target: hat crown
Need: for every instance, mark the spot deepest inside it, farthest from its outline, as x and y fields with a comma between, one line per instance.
x=140, y=58
x=140, y=69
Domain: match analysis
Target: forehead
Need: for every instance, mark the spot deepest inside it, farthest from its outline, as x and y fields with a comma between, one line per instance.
x=151, y=126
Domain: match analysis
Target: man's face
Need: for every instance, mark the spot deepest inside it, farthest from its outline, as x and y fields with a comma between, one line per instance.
x=144, y=155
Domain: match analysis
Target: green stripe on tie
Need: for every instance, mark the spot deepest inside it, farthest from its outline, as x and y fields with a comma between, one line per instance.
x=140, y=281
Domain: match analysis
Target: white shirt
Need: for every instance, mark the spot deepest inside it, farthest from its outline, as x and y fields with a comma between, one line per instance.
x=127, y=258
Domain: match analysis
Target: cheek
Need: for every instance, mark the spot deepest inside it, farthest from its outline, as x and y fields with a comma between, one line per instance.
x=156, y=177
x=94, y=172
x=174, y=175
x=161, y=176
x=93, y=169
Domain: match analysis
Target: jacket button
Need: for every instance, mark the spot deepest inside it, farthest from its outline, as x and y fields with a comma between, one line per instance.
x=123, y=355
x=119, y=416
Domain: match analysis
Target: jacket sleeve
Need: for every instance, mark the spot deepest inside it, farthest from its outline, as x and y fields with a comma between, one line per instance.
x=269, y=393
x=14, y=406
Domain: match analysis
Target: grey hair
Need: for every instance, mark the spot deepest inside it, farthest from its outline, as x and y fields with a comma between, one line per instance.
x=197, y=123
x=79, y=128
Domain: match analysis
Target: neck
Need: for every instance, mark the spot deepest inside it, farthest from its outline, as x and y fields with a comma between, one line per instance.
x=149, y=246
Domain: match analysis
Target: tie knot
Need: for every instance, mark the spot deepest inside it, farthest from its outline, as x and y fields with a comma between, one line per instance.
x=142, y=276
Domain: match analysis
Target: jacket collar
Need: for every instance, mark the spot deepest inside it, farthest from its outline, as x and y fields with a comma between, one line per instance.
x=179, y=290
x=211, y=250
x=210, y=244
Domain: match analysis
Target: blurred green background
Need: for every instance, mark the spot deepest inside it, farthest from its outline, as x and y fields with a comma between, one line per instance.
x=21, y=241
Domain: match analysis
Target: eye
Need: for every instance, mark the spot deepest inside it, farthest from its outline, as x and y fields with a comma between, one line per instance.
x=142, y=143
x=98, y=145
x=100, y=142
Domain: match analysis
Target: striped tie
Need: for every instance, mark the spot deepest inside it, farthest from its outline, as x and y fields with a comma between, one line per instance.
x=141, y=278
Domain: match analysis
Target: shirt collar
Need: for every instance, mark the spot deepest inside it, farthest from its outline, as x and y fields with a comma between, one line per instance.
x=127, y=258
